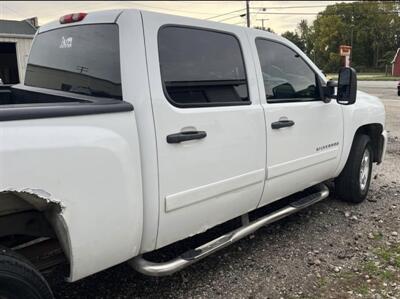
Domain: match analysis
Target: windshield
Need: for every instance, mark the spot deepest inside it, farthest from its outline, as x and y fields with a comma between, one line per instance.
x=79, y=59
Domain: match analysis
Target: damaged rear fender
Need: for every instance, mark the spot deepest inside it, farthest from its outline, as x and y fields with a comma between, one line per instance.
x=18, y=200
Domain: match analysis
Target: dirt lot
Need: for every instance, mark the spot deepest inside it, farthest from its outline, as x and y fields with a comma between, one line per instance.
x=331, y=250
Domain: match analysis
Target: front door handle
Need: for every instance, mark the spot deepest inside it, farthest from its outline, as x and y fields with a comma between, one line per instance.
x=282, y=124
x=185, y=136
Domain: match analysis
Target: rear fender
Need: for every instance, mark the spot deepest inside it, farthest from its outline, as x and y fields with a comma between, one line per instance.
x=87, y=168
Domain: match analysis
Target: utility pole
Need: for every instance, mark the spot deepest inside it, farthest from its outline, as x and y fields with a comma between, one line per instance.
x=352, y=33
x=262, y=22
x=248, y=12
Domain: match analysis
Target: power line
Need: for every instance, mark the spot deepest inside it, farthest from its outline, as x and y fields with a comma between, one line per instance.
x=252, y=8
x=23, y=18
x=280, y=7
x=224, y=14
x=316, y=6
x=289, y=7
x=288, y=13
x=233, y=17
x=316, y=13
x=207, y=2
x=14, y=11
x=171, y=9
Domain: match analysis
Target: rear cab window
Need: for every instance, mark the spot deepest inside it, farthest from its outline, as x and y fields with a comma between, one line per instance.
x=81, y=59
x=201, y=67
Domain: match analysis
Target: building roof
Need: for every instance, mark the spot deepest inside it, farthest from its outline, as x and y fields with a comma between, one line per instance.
x=17, y=27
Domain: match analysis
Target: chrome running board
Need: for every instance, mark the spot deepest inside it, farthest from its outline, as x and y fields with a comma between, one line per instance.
x=167, y=268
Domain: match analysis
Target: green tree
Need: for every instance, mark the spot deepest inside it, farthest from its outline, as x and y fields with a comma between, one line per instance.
x=371, y=27
x=269, y=29
x=327, y=37
x=294, y=38
x=304, y=31
x=301, y=37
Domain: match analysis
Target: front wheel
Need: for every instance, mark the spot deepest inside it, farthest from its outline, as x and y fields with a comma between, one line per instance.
x=19, y=279
x=352, y=185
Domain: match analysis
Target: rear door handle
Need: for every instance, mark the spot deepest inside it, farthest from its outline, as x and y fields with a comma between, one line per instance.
x=185, y=136
x=282, y=124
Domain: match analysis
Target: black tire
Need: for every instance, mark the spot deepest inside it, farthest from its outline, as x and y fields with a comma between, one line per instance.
x=398, y=92
x=348, y=185
x=19, y=279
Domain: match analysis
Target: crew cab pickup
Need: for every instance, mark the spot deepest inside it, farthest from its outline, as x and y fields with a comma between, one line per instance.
x=134, y=130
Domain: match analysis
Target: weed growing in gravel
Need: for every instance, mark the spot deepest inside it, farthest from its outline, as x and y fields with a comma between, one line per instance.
x=378, y=236
x=376, y=275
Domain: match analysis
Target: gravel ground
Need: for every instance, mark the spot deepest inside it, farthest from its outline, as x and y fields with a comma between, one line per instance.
x=331, y=250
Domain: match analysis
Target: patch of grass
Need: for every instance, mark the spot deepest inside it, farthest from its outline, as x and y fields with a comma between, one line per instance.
x=370, y=268
x=362, y=288
x=323, y=281
x=346, y=275
x=368, y=77
x=383, y=254
x=378, y=236
x=387, y=275
x=378, y=273
x=396, y=249
x=397, y=262
x=352, y=281
x=378, y=78
x=383, y=270
x=390, y=255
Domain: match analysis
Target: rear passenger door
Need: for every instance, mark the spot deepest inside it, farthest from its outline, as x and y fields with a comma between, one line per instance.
x=210, y=127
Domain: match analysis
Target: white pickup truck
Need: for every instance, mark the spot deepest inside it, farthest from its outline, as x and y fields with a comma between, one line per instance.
x=134, y=130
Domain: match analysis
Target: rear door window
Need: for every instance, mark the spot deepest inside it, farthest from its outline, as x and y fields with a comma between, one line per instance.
x=79, y=59
x=200, y=67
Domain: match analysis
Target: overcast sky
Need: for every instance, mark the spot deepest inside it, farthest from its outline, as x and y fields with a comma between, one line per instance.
x=280, y=15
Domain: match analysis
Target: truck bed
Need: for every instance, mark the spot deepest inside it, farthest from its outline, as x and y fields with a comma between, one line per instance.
x=21, y=102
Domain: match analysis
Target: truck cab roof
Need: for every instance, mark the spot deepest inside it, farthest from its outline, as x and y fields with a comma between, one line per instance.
x=109, y=16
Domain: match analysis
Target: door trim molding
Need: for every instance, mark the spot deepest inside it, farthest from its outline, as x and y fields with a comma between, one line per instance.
x=304, y=162
x=198, y=194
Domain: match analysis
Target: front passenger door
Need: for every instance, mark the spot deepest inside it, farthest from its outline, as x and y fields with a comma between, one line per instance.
x=304, y=134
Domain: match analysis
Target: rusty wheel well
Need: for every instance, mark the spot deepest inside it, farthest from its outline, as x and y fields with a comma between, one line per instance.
x=28, y=226
x=374, y=132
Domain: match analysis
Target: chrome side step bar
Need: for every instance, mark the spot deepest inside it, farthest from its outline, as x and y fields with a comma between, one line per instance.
x=167, y=268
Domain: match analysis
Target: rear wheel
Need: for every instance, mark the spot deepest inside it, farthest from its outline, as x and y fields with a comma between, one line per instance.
x=352, y=185
x=19, y=279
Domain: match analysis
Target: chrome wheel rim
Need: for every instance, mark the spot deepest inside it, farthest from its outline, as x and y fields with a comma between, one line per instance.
x=364, y=169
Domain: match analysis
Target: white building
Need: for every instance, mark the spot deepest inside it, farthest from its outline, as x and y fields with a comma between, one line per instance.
x=15, y=44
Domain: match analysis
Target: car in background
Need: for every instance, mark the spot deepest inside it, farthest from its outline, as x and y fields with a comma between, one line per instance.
x=398, y=88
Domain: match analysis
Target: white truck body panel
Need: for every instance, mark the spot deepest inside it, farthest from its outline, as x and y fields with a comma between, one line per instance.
x=204, y=182
x=136, y=90
x=367, y=109
x=100, y=17
x=101, y=198
x=291, y=153
x=125, y=191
